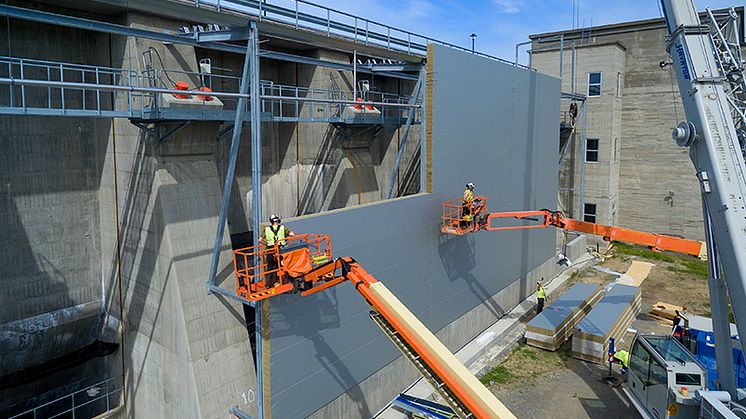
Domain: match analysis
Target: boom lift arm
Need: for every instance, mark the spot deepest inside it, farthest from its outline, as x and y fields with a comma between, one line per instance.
x=453, y=223
x=306, y=265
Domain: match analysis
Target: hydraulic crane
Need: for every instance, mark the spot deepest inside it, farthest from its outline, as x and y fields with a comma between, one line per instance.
x=453, y=222
x=306, y=265
x=710, y=72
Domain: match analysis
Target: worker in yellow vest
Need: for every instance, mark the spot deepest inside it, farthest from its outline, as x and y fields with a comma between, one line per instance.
x=541, y=295
x=466, y=205
x=621, y=357
x=274, y=234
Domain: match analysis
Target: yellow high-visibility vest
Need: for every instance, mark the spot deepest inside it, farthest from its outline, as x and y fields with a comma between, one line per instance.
x=623, y=357
x=541, y=293
x=469, y=196
x=271, y=236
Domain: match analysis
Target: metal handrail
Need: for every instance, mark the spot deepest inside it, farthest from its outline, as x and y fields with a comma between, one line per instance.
x=359, y=28
x=110, y=402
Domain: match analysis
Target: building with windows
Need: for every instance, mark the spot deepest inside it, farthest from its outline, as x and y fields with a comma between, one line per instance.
x=628, y=172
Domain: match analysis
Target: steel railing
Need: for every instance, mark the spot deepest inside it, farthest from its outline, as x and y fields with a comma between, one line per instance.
x=86, y=403
x=39, y=87
x=308, y=15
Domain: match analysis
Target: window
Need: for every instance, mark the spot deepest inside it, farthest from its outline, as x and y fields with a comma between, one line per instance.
x=616, y=147
x=689, y=379
x=618, y=84
x=589, y=213
x=591, y=150
x=658, y=374
x=594, y=84
x=639, y=362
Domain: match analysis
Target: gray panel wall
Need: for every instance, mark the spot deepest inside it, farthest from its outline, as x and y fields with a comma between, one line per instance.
x=493, y=124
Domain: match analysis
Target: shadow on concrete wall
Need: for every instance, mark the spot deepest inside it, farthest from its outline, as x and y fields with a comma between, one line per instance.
x=327, y=157
x=321, y=315
x=457, y=254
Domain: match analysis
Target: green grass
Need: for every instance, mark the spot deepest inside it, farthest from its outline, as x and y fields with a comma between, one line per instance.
x=497, y=375
x=684, y=263
x=697, y=267
x=630, y=250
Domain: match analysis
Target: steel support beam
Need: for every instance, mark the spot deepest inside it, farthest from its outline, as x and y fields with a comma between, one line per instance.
x=252, y=56
x=240, y=34
x=228, y=184
x=97, y=26
x=405, y=136
x=201, y=41
x=719, y=308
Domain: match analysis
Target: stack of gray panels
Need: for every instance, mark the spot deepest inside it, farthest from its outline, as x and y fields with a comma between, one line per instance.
x=609, y=318
x=555, y=324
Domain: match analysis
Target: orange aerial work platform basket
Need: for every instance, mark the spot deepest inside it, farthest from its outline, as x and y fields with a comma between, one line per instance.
x=459, y=218
x=262, y=271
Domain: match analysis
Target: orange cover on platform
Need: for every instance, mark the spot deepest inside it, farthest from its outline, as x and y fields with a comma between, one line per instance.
x=297, y=263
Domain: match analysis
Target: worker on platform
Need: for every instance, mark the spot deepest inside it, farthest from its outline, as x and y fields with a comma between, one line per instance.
x=466, y=205
x=541, y=295
x=274, y=234
x=621, y=357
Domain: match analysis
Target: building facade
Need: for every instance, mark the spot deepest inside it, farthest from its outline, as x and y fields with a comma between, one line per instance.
x=629, y=172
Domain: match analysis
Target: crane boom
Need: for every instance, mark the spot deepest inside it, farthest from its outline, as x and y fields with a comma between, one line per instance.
x=704, y=68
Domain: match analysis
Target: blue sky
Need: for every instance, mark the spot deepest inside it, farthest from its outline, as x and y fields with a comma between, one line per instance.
x=499, y=24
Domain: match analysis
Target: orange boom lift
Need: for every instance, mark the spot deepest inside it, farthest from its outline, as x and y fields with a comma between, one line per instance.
x=452, y=222
x=306, y=265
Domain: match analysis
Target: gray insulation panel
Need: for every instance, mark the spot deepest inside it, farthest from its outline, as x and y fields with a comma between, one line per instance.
x=493, y=124
x=563, y=307
x=607, y=312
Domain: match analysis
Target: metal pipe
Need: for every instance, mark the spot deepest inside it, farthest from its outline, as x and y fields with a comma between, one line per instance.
x=354, y=74
x=228, y=183
x=252, y=56
x=582, y=161
x=518, y=46
x=561, y=56
x=719, y=309
x=572, y=70
x=405, y=136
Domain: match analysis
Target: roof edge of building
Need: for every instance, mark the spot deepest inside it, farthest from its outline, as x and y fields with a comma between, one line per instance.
x=579, y=46
x=653, y=23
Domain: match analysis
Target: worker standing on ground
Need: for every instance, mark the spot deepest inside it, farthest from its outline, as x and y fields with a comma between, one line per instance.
x=466, y=205
x=621, y=357
x=541, y=295
x=274, y=234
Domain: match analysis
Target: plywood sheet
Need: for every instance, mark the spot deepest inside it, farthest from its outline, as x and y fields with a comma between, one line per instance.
x=555, y=324
x=636, y=273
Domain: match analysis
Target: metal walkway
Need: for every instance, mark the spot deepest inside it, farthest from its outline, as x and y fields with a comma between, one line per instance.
x=49, y=88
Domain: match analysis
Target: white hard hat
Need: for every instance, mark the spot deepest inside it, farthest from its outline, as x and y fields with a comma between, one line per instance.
x=470, y=185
